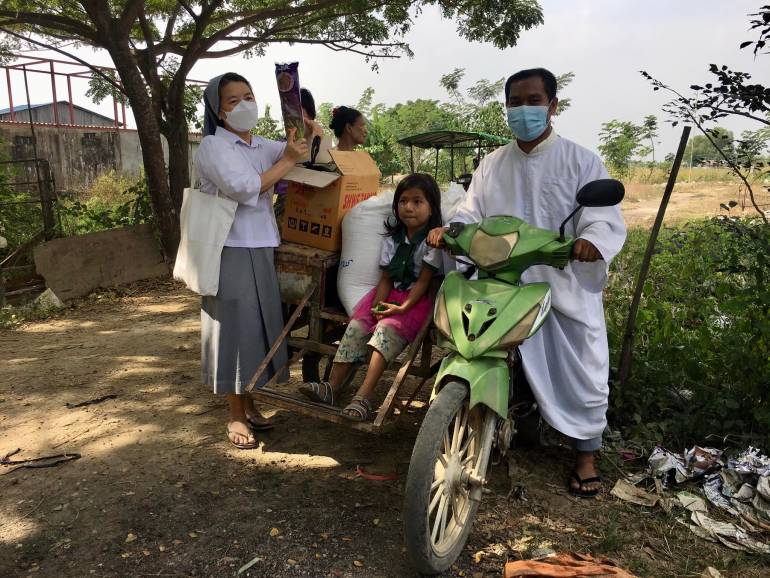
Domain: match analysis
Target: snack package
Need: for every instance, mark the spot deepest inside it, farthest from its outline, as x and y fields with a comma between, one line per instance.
x=287, y=77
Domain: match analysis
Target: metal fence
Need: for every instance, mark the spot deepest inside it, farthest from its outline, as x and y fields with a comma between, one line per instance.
x=27, y=198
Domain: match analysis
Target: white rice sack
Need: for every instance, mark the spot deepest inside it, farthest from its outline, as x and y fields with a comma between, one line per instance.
x=450, y=202
x=362, y=231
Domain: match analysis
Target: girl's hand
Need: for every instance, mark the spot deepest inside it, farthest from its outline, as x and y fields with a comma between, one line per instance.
x=386, y=310
x=436, y=237
x=295, y=150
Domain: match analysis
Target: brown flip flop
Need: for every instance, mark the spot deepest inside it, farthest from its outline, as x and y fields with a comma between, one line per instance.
x=246, y=446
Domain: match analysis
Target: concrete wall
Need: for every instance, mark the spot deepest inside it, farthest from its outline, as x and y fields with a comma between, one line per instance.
x=79, y=155
x=75, y=266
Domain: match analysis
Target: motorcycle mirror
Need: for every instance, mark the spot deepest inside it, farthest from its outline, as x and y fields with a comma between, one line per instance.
x=598, y=193
x=601, y=193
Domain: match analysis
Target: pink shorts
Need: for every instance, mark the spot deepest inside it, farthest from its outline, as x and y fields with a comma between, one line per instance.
x=407, y=325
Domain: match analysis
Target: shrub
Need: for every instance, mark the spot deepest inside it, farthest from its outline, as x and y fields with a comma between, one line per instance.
x=105, y=207
x=110, y=188
x=701, y=365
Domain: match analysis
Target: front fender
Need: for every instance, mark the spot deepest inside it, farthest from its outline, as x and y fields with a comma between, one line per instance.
x=487, y=377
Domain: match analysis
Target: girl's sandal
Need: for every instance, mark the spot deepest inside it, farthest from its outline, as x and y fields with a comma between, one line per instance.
x=321, y=392
x=359, y=409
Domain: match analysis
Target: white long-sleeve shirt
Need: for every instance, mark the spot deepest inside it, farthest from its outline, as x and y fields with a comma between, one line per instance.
x=226, y=163
x=567, y=361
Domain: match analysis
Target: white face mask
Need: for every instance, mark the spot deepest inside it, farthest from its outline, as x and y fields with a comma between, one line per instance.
x=244, y=116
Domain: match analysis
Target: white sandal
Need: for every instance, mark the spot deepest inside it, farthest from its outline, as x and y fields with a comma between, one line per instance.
x=312, y=390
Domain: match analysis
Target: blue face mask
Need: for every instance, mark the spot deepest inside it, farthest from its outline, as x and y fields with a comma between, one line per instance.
x=526, y=122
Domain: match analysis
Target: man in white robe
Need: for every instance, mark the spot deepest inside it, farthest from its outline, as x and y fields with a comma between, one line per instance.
x=536, y=178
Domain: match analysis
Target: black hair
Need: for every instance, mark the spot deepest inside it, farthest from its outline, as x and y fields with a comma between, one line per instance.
x=429, y=187
x=308, y=102
x=342, y=116
x=549, y=80
x=226, y=79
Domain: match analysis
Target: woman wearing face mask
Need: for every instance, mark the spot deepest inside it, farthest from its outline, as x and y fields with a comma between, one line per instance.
x=240, y=323
x=349, y=127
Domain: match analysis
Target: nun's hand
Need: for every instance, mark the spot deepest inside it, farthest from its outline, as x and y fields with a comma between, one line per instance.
x=312, y=129
x=295, y=150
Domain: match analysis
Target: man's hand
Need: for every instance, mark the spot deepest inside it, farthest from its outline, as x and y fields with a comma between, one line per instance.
x=295, y=150
x=585, y=251
x=436, y=237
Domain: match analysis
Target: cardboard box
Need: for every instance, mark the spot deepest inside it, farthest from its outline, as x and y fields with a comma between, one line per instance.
x=317, y=201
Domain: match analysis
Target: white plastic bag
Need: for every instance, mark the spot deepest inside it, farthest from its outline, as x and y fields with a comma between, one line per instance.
x=205, y=223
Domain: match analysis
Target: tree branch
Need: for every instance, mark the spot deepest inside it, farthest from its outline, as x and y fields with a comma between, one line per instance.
x=686, y=110
x=130, y=13
x=191, y=54
x=150, y=68
x=745, y=114
x=61, y=23
x=93, y=69
x=333, y=46
x=169, y=34
x=734, y=166
x=297, y=40
x=189, y=10
x=229, y=51
x=266, y=14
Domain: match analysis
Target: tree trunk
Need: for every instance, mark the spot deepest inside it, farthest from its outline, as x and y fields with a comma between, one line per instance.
x=178, y=138
x=166, y=211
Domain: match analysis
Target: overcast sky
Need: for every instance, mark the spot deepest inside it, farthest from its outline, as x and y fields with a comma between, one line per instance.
x=604, y=42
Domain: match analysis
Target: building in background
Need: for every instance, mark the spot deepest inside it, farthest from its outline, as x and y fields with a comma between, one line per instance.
x=45, y=114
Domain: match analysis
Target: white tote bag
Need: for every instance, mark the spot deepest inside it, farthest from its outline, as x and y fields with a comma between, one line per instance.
x=205, y=223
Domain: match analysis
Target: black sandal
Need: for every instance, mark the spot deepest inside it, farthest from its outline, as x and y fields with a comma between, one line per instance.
x=258, y=426
x=579, y=492
x=359, y=409
x=312, y=390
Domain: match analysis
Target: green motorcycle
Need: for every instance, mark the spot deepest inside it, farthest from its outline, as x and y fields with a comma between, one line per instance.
x=481, y=322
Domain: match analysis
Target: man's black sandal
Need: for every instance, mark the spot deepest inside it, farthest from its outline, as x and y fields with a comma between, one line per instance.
x=579, y=492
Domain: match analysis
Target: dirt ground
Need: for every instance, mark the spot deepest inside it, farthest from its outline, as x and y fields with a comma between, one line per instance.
x=688, y=201
x=158, y=490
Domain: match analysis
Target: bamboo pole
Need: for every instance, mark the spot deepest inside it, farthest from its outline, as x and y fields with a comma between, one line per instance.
x=627, y=351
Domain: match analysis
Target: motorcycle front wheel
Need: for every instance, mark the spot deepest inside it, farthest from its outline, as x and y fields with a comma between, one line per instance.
x=446, y=476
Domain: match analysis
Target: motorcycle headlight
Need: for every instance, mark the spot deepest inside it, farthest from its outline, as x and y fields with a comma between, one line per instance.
x=441, y=318
x=528, y=325
x=520, y=331
x=489, y=251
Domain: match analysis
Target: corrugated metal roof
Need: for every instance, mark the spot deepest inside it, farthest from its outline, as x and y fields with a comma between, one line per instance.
x=452, y=138
x=23, y=107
